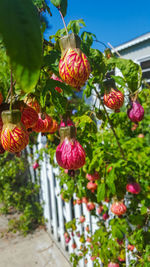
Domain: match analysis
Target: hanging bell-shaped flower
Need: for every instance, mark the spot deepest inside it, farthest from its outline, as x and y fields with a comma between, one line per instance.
x=29, y=116
x=114, y=99
x=74, y=67
x=44, y=124
x=136, y=112
x=118, y=208
x=69, y=153
x=33, y=103
x=14, y=136
x=133, y=188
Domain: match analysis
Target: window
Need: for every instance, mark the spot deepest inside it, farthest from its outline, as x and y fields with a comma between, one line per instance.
x=145, y=65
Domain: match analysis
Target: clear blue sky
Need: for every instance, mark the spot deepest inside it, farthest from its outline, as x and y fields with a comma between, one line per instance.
x=112, y=21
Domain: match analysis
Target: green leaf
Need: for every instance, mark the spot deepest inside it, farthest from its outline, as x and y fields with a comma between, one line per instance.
x=136, y=219
x=97, y=62
x=143, y=210
x=63, y=7
x=39, y=3
x=4, y=71
x=76, y=25
x=53, y=83
x=131, y=71
x=89, y=87
x=119, y=80
x=110, y=180
x=52, y=61
x=57, y=99
x=101, y=192
x=87, y=37
x=20, y=29
x=116, y=232
x=56, y=2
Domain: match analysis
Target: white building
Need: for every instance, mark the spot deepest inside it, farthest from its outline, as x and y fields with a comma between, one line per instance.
x=137, y=49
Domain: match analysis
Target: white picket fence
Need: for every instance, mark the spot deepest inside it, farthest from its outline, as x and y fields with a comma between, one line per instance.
x=56, y=211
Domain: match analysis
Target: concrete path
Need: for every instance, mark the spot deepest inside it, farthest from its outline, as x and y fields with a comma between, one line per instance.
x=36, y=250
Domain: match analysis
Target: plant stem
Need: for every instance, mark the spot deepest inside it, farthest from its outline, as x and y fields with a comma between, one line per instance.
x=113, y=130
x=8, y=94
x=62, y=17
x=11, y=91
x=100, y=43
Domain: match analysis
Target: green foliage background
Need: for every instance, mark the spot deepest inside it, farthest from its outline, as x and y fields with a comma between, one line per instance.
x=17, y=192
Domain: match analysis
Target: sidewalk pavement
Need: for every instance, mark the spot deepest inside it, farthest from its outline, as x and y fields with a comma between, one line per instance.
x=35, y=250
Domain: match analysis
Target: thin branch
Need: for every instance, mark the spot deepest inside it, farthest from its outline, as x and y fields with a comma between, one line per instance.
x=114, y=132
x=100, y=43
x=111, y=125
x=11, y=90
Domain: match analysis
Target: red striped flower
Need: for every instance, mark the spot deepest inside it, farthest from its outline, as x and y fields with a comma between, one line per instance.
x=74, y=68
x=29, y=117
x=33, y=103
x=44, y=124
x=114, y=99
x=118, y=208
x=14, y=136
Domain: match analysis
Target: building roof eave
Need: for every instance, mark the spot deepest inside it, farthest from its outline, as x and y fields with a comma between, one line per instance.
x=133, y=42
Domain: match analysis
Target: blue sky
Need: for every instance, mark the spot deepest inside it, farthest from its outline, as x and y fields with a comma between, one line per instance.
x=112, y=21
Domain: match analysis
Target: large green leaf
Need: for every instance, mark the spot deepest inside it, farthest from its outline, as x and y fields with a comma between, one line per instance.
x=131, y=71
x=58, y=99
x=76, y=25
x=20, y=29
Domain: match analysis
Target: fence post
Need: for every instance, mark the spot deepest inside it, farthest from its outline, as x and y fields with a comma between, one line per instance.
x=30, y=164
x=54, y=210
x=126, y=240
x=61, y=224
x=44, y=181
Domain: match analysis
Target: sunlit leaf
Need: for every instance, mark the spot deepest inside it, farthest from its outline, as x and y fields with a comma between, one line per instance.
x=20, y=29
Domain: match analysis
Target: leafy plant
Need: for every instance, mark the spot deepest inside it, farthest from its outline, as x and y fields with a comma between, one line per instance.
x=19, y=193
